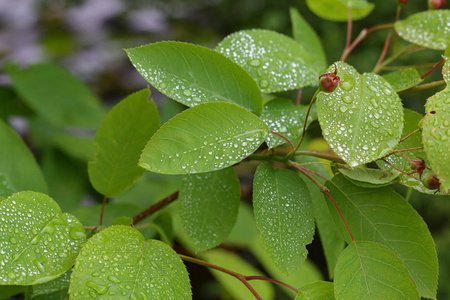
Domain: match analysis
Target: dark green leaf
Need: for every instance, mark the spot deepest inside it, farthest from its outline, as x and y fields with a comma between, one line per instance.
x=209, y=204
x=337, y=10
x=38, y=243
x=429, y=29
x=244, y=231
x=119, y=263
x=403, y=79
x=319, y=290
x=7, y=291
x=192, y=74
x=367, y=270
x=120, y=140
x=275, y=61
x=56, y=289
x=283, y=213
x=383, y=216
x=18, y=168
x=371, y=178
x=362, y=119
x=204, y=138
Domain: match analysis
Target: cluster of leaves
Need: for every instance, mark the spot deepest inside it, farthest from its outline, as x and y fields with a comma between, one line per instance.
x=376, y=245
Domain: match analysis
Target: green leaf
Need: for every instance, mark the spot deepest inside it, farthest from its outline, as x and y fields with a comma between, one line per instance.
x=18, y=168
x=38, y=243
x=429, y=29
x=283, y=213
x=204, y=138
x=120, y=140
x=192, y=74
x=412, y=120
x=119, y=263
x=371, y=178
x=287, y=119
x=436, y=132
x=244, y=231
x=89, y=215
x=370, y=270
x=361, y=120
x=337, y=10
x=56, y=289
x=403, y=79
x=308, y=39
x=235, y=287
x=383, y=216
x=209, y=204
x=57, y=96
x=7, y=291
x=320, y=290
x=276, y=62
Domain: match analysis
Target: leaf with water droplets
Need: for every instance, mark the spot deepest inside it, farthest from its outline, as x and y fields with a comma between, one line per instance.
x=37, y=242
x=322, y=290
x=56, y=289
x=429, y=29
x=284, y=215
x=287, y=119
x=308, y=39
x=204, y=138
x=209, y=204
x=370, y=270
x=18, y=168
x=276, y=62
x=383, y=216
x=436, y=132
x=403, y=79
x=367, y=177
x=337, y=10
x=119, y=263
x=120, y=140
x=192, y=74
x=362, y=119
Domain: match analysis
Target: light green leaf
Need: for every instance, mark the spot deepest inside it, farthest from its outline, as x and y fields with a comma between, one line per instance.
x=337, y=10
x=362, y=119
x=383, y=216
x=120, y=140
x=370, y=178
x=283, y=213
x=38, y=243
x=403, y=79
x=244, y=231
x=18, y=168
x=204, y=138
x=56, y=289
x=57, y=96
x=412, y=120
x=287, y=119
x=429, y=29
x=319, y=290
x=308, y=39
x=276, y=62
x=209, y=204
x=235, y=287
x=192, y=74
x=436, y=132
x=367, y=270
x=119, y=263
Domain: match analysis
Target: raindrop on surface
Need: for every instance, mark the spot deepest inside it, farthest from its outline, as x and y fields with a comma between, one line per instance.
x=263, y=83
x=254, y=63
x=343, y=108
x=346, y=86
x=187, y=92
x=347, y=99
x=100, y=289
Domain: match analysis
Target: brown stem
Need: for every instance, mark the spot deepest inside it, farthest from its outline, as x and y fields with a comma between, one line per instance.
x=155, y=207
x=425, y=65
x=316, y=182
x=383, y=53
x=432, y=69
x=405, y=150
x=298, y=166
x=340, y=213
x=321, y=155
x=100, y=223
x=284, y=138
x=397, y=17
x=349, y=30
x=422, y=87
x=400, y=170
x=271, y=280
x=403, y=139
x=299, y=96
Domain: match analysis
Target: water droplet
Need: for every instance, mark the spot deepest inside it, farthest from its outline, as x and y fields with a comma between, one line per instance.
x=39, y=263
x=346, y=86
x=76, y=233
x=365, y=147
x=187, y=92
x=347, y=99
x=13, y=240
x=263, y=83
x=99, y=288
x=162, y=85
x=343, y=108
x=254, y=63
x=114, y=279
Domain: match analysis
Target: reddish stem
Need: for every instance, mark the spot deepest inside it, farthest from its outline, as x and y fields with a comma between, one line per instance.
x=316, y=182
x=271, y=280
x=383, y=53
x=422, y=87
x=406, y=150
x=415, y=131
x=155, y=207
x=100, y=223
x=432, y=69
x=313, y=172
x=284, y=138
x=349, y=28
x=299, y=96
x=340, y=214
x=400, y=170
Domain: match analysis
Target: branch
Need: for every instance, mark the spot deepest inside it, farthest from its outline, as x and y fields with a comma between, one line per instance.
x=306, y=119
x=340, y=214
x=432, y=68
x=322, y=155
x=376, y=69
x=100, y=223
x=155, y=207
x=284, y=138
x=422, y=87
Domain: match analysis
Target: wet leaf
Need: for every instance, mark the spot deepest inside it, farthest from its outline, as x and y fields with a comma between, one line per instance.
x=287, y=119
x=209, y=204
x=56, y=289
x=337, y=10
x=18, y=168
x=436, y=132
x=276, y=62
x=284, y=215
x=305, y=35
x=370, y=270
x=371, y=178
x=383, y=216
x=362, y=120
x=38, y=243
x=204, y=138
x=192, y=74
x=320, y=290
x=120, y=140
x=403, y=79
x=119, y=262
x=429, y=29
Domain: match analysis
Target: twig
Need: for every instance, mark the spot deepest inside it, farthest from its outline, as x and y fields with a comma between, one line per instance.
x=422, y=87
x=155, y=207
x=349, y=30
x=383, y=53
x=299, y=96
x=100, y=223
x=340, y=213
x=284, y=138
x=432, y=68
x=321, y=155
x=306, y=119
x=405, y=150
x=315, y=181
x=400, y=170
x=403, y=139
x=298, y=166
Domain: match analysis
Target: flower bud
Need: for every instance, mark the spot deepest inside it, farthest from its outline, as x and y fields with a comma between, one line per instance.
x=435, y=4
x=402, y=2
x=329, y=81
x=431, y=182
